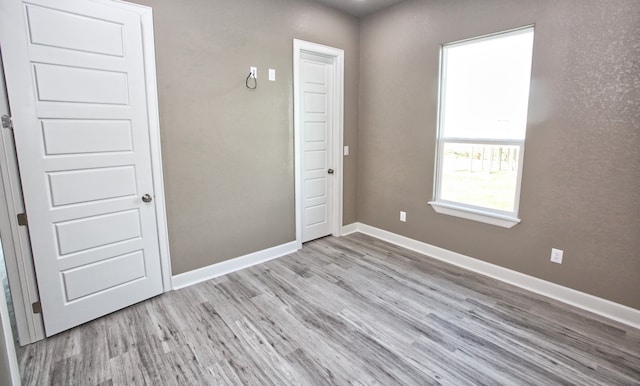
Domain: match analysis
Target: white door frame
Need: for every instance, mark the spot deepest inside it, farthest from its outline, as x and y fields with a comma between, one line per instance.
x=337, y=55
x=15, y=238
x=23, y=256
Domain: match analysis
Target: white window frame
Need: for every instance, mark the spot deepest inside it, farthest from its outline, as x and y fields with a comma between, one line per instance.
x=496, y=217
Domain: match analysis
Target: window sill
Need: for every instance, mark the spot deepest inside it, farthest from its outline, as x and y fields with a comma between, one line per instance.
x=474, y=215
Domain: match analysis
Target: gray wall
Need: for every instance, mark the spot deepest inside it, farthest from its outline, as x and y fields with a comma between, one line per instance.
x=581, y=179
x=227, y=151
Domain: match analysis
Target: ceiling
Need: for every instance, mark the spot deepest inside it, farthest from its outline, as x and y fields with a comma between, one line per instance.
x=359, y=7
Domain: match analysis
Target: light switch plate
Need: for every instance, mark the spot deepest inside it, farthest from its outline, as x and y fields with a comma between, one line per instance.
x=346, y=150
x=272, y=74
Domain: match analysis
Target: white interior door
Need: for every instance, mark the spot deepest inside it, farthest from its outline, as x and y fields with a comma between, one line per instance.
x=76, y=85
x=316, y=83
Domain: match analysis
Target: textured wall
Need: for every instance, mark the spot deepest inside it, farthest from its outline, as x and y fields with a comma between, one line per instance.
x=581, y=179
x=228, y=151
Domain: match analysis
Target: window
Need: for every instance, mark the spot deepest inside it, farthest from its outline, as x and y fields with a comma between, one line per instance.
x=484, y=96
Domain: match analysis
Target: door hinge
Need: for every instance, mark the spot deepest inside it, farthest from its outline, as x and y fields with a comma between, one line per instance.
x=22, y=219
x=7, y=122
x=37, y=308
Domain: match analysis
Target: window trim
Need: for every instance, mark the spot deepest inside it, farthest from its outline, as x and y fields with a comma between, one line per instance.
x=496, y=217
x=479, y=215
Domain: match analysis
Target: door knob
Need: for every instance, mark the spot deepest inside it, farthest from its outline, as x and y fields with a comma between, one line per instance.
x=147, y=198
x=330, y=171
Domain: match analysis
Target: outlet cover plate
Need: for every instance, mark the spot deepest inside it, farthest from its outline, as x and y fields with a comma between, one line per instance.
x=556, y=255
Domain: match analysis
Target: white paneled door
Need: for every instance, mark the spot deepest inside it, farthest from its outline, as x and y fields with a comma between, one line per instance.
x=316, y=82
x=77, y=89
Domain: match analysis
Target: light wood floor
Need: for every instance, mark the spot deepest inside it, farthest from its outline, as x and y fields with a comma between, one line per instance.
x=353, y=310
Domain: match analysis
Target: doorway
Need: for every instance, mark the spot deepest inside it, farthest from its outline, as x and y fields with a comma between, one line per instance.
x=318, y=83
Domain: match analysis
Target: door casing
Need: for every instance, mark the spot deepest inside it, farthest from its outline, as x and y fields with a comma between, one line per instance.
x=15, y=239
x=337, y=55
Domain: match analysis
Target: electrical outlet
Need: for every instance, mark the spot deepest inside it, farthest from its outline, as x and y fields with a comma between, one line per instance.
x=403, y=216
x=254, y=72
x=556, y=255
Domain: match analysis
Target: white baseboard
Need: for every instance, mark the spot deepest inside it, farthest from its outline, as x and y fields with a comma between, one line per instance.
x=209, y=272
x=349, y=229
x=603, y=307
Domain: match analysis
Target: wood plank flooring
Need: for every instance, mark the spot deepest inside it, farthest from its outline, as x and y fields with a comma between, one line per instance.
x=350, y=310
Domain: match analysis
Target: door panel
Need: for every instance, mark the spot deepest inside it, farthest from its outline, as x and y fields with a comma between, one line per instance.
x=315, y=131
x=94, y=278
x=97, y=231
x=75, y=75
x=316, y=187
x=316, y=160
x=61, y=83
x=84, y=136
x=316, y=83
x=99, y=184
x=77, y=33
x=315, y=102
